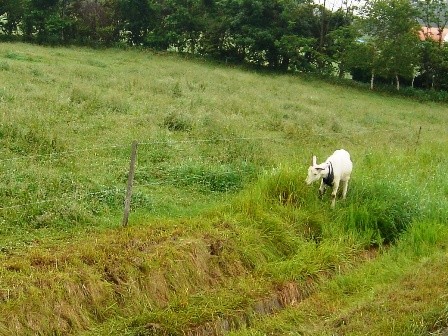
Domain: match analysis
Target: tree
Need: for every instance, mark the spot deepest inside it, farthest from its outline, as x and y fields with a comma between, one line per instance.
x=96, y=21
x=343, y=37
x=12, y=11
x=253, y=28
x=342, y=42
x=135, y=18
x=363, y=61
x=393, y=29
x=179, y=26
x=443, y=80
x=40, y=20
x=215, y=34
x=299, y=44
x=432, y=14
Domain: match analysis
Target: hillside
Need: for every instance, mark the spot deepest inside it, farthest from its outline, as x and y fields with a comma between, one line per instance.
x=223, y=231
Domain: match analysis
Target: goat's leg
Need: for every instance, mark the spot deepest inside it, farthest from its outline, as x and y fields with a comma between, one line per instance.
x=344, y=190
x=334, y=193
x=322, y=188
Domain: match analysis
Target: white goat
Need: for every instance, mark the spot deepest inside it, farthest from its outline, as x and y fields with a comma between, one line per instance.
x=335, y=169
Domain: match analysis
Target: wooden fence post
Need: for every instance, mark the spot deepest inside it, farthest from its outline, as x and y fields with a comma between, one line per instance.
x=127, y=201
x=418, y=137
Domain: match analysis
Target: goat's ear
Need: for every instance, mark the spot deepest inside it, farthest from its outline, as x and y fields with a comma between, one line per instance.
x=314, y=161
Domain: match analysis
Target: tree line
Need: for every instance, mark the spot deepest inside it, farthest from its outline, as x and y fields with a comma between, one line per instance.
x=374, y=42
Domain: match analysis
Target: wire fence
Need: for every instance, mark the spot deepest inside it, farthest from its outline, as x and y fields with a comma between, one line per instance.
x=56, y=155
x=61, y=197
x=120, y=166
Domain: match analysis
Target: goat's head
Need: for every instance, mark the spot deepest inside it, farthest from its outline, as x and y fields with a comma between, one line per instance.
x=315, y=171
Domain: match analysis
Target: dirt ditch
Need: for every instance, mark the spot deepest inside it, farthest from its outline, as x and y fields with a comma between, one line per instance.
x=284, y=296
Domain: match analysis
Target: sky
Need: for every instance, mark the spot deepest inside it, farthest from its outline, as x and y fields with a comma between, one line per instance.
x=330, y=3
x=335, y=4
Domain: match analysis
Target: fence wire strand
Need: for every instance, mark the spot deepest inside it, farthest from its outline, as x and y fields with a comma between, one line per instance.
x=63, y=153
x=67, y=196
x=172, y=142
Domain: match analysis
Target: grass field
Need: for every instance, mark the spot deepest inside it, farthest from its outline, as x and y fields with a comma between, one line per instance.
x=224, y=236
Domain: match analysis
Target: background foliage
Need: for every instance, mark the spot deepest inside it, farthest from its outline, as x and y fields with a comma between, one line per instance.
x=377, y=42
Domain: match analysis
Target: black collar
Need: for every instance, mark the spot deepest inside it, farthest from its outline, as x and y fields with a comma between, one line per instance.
x=330, y=177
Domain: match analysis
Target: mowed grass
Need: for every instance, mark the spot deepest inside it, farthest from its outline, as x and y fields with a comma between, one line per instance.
x=221, y=218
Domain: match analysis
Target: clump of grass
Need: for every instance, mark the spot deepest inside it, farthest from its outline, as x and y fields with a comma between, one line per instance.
x=377, y=212
x=283, y=191
x=156, y=266
x=6, y=96
x=285, y=186
x=84, y=101
x=4, y=66
x=214, y=178
x=156, y=153
x=176, y=91
x=96, y=63
x=20, y=56
x=310, y=260
x=289, y=218
x=228, y=151
x=435, y=322
x=422, y=238
x=105, y=199
x=115, y=104
x=178, y=122
x=380, y=211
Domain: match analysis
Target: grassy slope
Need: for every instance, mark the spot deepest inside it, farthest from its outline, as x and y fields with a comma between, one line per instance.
x=226, y=250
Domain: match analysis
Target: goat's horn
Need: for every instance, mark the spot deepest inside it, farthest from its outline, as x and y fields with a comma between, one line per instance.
x=314, y=162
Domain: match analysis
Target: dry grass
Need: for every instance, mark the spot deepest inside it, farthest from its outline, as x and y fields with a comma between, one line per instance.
x=67, y=288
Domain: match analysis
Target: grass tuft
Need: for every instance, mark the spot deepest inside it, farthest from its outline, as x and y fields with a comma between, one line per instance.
x=178, y=122
x=380, y=210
